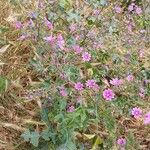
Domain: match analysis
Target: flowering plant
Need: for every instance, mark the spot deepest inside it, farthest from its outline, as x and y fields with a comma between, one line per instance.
x=90, y=75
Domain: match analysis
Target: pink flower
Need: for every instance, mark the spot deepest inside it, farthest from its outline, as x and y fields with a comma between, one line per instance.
x=146, y=81
x=78, y=86
x=96, y=12
x=117, y=9
x=78, y=49
x=72, y=27
x=60, y=41
x=23, y=37
x=41, y=5
x=86, y=56
x=130, y=78
x=48, y=24
x=116, y=82
x=96, y=87
x=63, y=92
x=129, y=26
x=147, y=118
x=77, y=37
x=108, y=94
x=49, y=39
x=142, y=31
x=136, y=112
x=71, y=109
x=79, y=100
x=91, y=83
x=121, y=141
x=141, y=53
x=97, y=45
x=138, y=10
x=18, y=25
x=131, y=7
x=142, y=93
x=31, y=23
x=91, y=33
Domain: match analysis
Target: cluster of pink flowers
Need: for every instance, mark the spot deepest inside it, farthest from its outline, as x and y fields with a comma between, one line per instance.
x=59, y=40
x=135, y=8
x=108, y=94
x=138, y=113
x=91, y=84
x=116, y=82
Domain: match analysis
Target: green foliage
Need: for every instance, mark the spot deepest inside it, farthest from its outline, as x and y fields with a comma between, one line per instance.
x=72, y=72
x=33, y=137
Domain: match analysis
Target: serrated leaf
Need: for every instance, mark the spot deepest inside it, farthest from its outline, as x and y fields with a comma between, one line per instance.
x=26, y=135
x=35, y=138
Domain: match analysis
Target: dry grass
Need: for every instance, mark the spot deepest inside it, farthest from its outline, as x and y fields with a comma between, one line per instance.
x=15, y=114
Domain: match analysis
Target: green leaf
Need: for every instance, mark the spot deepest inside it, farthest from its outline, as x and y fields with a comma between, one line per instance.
x=26, y=135
x=45, y=135
x=3, y=84
x=103, y=2
x=65, y=3
x=67, y=146
x=35, y=138
x=73, y=16
x=72, y=72
x=3, y=29
x=44, y=115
